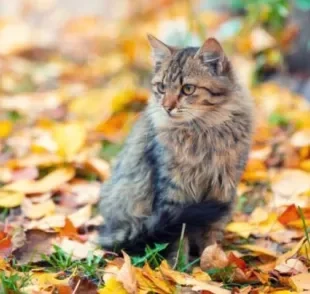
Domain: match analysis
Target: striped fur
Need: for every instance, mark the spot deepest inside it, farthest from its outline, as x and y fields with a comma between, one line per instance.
x=194, y=154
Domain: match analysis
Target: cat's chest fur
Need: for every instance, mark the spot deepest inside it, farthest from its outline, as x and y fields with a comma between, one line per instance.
x=190, y=165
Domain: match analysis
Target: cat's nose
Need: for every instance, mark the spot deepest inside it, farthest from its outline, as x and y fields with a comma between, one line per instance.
x=169, y=108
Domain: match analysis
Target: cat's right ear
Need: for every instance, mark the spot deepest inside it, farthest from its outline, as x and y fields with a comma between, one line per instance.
x=159, y=49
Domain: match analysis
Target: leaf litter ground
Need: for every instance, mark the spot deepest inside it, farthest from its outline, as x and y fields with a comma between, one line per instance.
x=64, y=115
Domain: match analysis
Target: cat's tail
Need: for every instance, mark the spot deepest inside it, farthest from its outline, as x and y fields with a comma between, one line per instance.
x=167, y=226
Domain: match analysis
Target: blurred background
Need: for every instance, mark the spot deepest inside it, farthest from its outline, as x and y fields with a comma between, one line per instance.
x=88, y=62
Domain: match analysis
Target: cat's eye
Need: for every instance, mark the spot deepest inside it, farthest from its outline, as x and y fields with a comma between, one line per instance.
x=161, y=88
x=188, y=89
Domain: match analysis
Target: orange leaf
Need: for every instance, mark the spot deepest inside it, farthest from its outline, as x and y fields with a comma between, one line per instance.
x=290, y=214
x=240, y=263
x=63, y=289
x=5, y=244
x=70, y=231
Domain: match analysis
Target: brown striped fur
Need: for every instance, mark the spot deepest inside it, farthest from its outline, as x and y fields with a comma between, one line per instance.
x=185, y=149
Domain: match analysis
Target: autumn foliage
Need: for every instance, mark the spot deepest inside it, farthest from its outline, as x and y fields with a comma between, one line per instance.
x=65, y=110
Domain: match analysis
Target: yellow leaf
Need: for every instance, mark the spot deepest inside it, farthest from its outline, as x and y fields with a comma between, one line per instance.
x=301, y=282
x=260, y=250
x=48, y=183
x=42, y=159
x=69, y=137
x=10, y=198
x=243, y=229
x=158, y=284
x=200, y=275
x=36, y=211
x=282, y=258
x=5, y=128
x=305, y=165
x=112, y=286
x=47, y=279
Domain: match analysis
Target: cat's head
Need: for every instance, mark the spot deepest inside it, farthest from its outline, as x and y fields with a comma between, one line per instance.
x=191, y=83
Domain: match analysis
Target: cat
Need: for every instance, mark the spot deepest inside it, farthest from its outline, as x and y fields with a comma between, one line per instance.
x=184, y=157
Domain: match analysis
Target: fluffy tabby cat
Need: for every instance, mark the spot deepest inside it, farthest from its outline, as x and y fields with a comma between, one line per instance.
x=185, y=155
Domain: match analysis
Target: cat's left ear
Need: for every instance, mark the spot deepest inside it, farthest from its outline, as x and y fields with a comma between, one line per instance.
x=212, y=54
x=160, y=50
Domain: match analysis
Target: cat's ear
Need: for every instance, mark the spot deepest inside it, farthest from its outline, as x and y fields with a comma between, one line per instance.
x=160, y=50
x=212, y=54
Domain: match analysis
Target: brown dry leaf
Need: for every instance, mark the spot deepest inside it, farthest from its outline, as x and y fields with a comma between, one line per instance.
x=292, y=266
x=37, y=211
x=37, y=243
x=50, y=182
x=69, y=137
x=18, y=238
x=127, y=276
x=10, y=198
x=213, y=256
x=301, y=282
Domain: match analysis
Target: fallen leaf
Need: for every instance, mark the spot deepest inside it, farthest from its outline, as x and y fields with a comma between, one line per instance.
x=5, y=245
x=5, y=128
x=81, y=216
x=243, y=229
x=69, y=231
x=37, y=243
x=287, y=255
x=290, y=214
x=82, y=285
x=240, y=263
x=100, y=166
x=289, y=184
x=113, y=286
x=292, y=266
x=77, y=249
x=69, y=137
x=260, y=250
x=301, y=282
x=126, y=275
x=10, y=199
x=301, y=138
x=213, y=256
x=36, y=211
x=50, y=182
x=48, y=279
